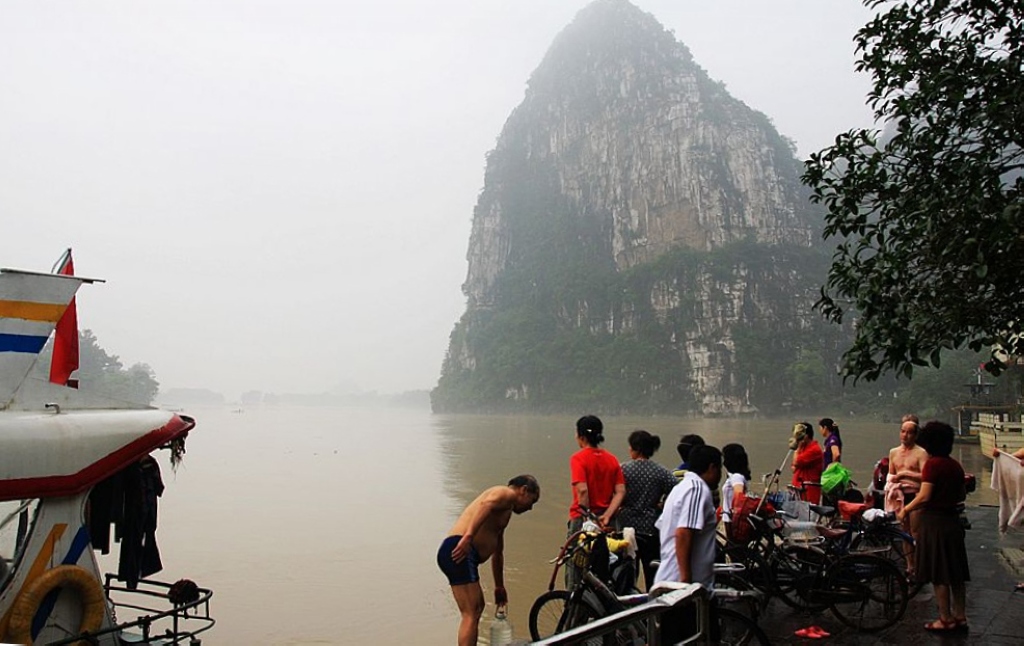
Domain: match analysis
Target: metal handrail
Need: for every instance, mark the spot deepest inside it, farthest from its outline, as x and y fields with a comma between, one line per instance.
x=178, y=612
x=680, y=594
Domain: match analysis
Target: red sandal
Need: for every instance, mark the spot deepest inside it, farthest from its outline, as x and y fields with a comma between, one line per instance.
x=941, y=626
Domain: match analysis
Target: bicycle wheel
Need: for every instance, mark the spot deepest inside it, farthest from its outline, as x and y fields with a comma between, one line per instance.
x=736, y=629
x=756, y=575
x=797, y=572
x=891, y=544
x=734, y=592
x=867, y=592
x=552, y=613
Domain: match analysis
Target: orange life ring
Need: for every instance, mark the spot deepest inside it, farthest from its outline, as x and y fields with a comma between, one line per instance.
x=94, y=603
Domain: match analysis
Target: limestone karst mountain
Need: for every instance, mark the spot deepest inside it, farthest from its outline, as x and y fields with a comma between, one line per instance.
x=642, y=242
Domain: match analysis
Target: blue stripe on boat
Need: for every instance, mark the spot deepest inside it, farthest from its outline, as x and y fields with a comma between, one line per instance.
x=22, y=343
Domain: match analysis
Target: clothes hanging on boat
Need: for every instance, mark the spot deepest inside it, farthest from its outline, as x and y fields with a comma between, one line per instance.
x=1008, y=482
x=140, y=556
x=128, y=500
x=106, y=506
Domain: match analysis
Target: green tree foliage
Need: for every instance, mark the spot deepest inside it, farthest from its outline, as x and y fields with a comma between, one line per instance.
x=808, y=377
x=928, y=223
x=104, y=373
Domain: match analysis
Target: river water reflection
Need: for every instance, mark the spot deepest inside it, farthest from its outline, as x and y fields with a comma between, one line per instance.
x=321, y=525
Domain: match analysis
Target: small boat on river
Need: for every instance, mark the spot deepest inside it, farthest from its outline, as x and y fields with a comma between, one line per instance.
x=73, y=465
x=1003, y=430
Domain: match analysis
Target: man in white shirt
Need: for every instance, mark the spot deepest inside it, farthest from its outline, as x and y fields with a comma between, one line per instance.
x=687, y=527
x=688, y=522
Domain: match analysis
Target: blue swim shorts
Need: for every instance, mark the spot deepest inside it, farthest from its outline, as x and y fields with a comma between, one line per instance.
x=458, y=573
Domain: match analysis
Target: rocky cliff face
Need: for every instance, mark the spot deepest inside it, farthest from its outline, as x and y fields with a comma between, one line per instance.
x=630, y=198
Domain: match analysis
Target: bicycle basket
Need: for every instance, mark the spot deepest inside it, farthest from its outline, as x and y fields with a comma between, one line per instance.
x=592, y=553
x=581, y=557
x=740, y=528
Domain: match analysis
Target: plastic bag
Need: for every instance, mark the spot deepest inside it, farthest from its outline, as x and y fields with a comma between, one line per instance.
x=835, y=477
x=797, y=509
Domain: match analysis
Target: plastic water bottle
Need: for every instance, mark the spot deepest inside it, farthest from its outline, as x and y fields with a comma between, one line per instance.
x=501, y=628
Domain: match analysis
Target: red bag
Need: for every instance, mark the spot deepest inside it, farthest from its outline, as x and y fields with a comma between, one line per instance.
x=740, y=529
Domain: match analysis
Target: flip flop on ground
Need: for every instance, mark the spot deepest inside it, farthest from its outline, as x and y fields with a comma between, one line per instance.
x=940, y=626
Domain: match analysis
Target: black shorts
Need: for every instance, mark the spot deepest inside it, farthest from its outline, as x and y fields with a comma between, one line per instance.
x=467, y=571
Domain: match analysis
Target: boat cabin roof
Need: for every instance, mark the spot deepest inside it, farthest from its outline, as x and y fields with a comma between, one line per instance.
x=48, y=454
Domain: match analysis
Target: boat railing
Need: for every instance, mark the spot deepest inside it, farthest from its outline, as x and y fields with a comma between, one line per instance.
x=647, y=613
x=157, y=619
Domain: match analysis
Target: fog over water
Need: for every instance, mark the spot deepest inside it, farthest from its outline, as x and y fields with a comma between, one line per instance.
x=279, y=194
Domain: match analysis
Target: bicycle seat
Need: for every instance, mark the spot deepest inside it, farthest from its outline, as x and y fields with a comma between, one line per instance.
x=829, y=532
x=823, y=510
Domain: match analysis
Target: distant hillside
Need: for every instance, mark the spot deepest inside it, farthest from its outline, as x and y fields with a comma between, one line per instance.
x=642, y=242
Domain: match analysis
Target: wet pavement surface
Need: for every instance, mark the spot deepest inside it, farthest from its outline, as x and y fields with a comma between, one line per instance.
x=995, y=612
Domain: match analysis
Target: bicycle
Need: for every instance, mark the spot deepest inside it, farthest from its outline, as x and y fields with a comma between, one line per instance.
x=881, y=535
x=863, y=590
x=592, y=598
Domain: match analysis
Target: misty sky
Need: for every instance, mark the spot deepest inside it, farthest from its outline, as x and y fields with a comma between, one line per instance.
x=279, y=193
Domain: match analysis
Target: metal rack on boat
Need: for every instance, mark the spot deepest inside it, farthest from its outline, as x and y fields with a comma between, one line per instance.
x=154, y=624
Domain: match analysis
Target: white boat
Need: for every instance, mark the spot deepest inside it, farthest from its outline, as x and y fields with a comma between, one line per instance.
x=1003, y=430
x=68, y=459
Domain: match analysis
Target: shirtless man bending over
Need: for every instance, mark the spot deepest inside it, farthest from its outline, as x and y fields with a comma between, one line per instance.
x=905, y=464
x=477, y=535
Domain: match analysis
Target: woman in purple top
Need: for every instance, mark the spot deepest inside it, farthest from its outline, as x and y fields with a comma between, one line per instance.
x=940, y=550
x=832, y=446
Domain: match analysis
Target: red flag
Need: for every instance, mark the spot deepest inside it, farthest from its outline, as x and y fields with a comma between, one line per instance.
x=65, y=338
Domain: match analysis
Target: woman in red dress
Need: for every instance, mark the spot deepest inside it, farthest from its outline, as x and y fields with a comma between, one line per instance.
x=807, y=462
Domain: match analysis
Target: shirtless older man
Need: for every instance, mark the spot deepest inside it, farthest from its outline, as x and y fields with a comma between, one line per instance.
x=477, y=535
x=904, y=481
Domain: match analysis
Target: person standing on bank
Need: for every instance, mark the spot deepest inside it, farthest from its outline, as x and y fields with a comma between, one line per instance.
x=647, y=485
x=941, y=550
x=476, y=536
x=807, y=462
x=736, y=462
x=832, y=450
x=688, y=523
x=688, y=527
x=597, y=482
x=686, y=444
x=906, y=462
